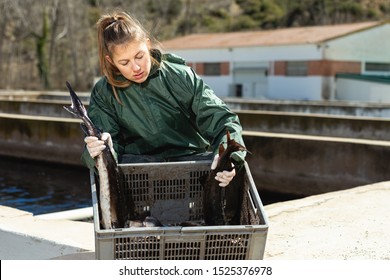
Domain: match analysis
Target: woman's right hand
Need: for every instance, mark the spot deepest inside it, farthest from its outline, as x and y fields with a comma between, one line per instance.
x=96, y=146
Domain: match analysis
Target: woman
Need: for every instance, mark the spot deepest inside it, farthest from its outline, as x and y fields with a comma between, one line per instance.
x=151, y=106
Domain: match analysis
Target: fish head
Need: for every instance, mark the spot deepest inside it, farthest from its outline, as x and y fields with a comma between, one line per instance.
x=151, y=221
x=232, y=145
x=221, y=149
x=76, y=108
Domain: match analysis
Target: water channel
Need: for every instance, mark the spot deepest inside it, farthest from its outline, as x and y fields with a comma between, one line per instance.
x=39, y=187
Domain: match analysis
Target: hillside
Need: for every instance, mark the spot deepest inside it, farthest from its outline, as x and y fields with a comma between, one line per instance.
x=43, y=43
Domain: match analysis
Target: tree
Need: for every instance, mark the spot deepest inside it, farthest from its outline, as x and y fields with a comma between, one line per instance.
x=41, y=43
x=45, y=42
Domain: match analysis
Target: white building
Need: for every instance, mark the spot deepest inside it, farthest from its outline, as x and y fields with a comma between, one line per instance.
x=292, y=63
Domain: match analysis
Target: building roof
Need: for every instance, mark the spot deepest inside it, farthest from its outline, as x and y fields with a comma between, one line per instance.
x=286, y=36
x=371, y=78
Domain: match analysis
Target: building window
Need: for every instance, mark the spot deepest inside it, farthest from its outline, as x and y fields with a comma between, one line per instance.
x=296, y=68
x=377, y=67
x=212, y=69
x=238, y=90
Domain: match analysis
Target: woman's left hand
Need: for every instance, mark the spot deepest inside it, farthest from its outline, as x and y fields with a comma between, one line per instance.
x=225, y=176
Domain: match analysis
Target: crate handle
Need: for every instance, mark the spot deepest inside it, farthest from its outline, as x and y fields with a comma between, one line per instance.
x=252, y=202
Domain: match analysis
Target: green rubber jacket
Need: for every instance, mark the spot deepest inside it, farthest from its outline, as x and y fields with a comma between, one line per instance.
x=173, y=113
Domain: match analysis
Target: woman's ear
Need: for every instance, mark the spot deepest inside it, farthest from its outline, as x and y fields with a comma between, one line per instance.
x=148, y=43
x=108, y=58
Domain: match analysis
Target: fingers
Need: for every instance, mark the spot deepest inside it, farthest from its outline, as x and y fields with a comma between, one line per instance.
x=94, y=145
x=108, y=140
x=225, y=177
x=90, y=139
x=215, y=162
x=106, y=136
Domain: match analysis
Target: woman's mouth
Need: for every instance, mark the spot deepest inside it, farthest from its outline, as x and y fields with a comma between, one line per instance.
x=138, y=76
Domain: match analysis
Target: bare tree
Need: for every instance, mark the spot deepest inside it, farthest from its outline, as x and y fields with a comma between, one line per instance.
x=45, y=42
x=4, y=8
x=54, y=19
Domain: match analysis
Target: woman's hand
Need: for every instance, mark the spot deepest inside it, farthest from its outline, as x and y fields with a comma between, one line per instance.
x=225, y=176
x=96, y=146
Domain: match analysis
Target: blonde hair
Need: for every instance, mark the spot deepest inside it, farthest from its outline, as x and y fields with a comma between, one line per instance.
x=113, y=29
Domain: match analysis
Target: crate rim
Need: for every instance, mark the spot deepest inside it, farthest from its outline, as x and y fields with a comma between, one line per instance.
x=163, y=229
x=165, y=163
x=105, y=239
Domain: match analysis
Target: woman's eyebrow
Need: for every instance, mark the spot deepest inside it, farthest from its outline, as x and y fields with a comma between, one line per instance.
x=127, y=60
x=124, y=60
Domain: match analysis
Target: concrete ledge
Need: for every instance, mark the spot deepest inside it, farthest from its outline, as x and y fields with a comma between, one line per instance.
x=307, y=165
x=324, y=124
x=39, y=95
x=342, y=225
x=316, y=124
x=43, y=138
x=287, y=163
x=350, y=224
x=336, y=107
x=77, y=256
x=52, y=108
x=23, y=236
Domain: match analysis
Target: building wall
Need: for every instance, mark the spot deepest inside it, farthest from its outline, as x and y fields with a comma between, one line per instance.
x=369, y=45
x=220, y=84
x=359, y=90
x=319, y=84
x=346, y=54
x=251, y=54
x=295, y=88
x=321, y=67
x=271, y=62
x=255, y=60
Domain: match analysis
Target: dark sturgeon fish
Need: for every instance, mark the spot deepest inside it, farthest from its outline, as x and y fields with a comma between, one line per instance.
x=114, y=204
x=221, y=204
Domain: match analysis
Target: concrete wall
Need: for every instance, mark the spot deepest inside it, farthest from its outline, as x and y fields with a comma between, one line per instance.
x=39, y=95
x=307, y=165
x=325, y=120
x=285, y=158
x=343, y=108
x=55, y=108
x=50, y=108
x=286, y=163
x=315, y=124
x=41, y=138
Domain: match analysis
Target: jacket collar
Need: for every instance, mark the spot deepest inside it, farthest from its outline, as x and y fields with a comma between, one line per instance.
x=156, y=61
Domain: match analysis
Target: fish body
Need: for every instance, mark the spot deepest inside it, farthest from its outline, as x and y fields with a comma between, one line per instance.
x=115, y=206
x=144, y=220
x=220, y=202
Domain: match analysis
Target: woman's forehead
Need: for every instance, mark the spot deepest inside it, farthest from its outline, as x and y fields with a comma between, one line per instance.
x=128, y=49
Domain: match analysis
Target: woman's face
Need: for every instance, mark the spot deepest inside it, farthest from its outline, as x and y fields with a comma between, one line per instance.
x=132, y=60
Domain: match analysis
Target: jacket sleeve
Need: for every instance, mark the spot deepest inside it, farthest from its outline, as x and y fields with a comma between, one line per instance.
x=102, y=114
x=213, y=117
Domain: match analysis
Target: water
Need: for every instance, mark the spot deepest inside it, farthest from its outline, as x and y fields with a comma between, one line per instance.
x=42, y=188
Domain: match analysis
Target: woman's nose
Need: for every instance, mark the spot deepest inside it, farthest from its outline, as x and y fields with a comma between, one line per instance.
x=135, y=67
